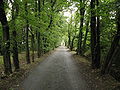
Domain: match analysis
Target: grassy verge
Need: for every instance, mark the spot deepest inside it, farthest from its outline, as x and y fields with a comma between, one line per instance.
x=12, y=82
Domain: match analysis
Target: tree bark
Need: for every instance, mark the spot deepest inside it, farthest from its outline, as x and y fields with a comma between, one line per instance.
x=98, y=51
x=93, y=33
x=6, y=39
x=38, y=45
x=111, y=52
x=82, y=11
x=72, y=42
x=14, y=34
x=36, y=8
x=27, y=36
x=69, y=37
x=38, y=33
x=85, y=38
x=115, y=56
x=32, y=46
x=15, y=52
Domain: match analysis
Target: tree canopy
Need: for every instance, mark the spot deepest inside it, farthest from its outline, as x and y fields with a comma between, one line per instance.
x=89, y=27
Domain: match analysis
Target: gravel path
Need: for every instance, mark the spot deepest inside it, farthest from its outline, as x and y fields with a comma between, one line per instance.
x=58, y=72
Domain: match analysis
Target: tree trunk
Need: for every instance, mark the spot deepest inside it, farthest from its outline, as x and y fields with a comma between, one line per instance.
x=44, y=45
x=32, y=46
x=43, y=2
x=15, y=52
x=35, y=8
x=14, y=34
x=85, y=38
x=98, y=52
x=38, y=45
x=72, y=42
x=69, y=38
x=111, y=52
x=38, y=33
x=6, y=39
x=69, y=31
x=82, y=11
x=93, y=33
x=115, y=56
x=27, y=35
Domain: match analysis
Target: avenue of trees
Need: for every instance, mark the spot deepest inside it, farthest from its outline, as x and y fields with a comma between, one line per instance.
x=98, y=33
x=31, y=26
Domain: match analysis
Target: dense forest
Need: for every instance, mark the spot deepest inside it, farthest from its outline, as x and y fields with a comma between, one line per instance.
x=89, y=27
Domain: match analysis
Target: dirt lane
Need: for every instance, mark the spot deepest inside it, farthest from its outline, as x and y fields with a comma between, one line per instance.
x=58, y=72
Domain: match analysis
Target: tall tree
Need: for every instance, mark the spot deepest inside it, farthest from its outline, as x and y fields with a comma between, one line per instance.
x=93, y=33
x=69, y=30
x=85, y=37
x=38, y=32
x=69, y=36
x=15, y=10
x=32, y=44
x=98, y=50
x=80, y=36
x=6, y=39
x=27, y=33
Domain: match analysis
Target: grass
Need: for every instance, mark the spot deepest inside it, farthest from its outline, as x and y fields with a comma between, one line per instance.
x=14, y=80
x=1, y=59
x=21, y=57
x=22, y=60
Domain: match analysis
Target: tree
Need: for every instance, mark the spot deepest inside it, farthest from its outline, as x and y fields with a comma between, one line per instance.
x=93, y=32
x=98, y=50
x=38, y=33
x=6, y=39
x=32, y=44
x=80, y=36
x=27, y=34
x=114, y=51
x=95, y=36
x=69, y=36
x=85, y=37
x=15, y=7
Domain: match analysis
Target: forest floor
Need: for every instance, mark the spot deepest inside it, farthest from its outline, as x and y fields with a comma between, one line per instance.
x=56, y=69
x=94, y=77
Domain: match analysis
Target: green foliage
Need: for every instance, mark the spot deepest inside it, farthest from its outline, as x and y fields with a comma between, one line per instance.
x=54, y=27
